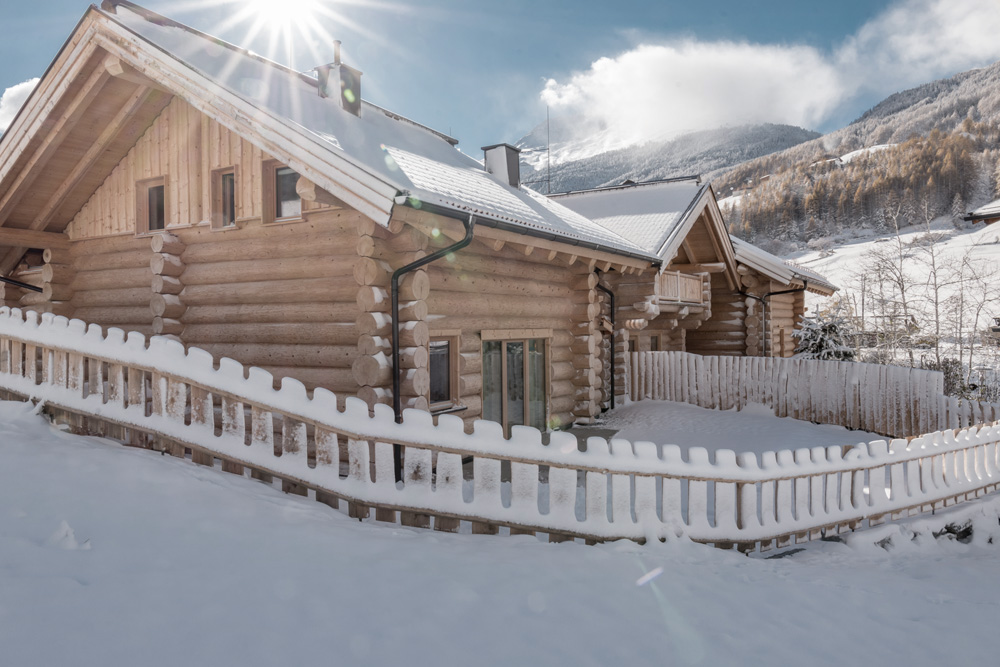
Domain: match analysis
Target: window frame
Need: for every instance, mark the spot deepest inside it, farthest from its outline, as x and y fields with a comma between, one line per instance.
x=269, y=210
x=453, y=339
x=142, y=188
x=218, y=223
x=525, y=336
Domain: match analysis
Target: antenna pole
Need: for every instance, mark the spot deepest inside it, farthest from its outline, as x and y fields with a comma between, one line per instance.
x=548, y=153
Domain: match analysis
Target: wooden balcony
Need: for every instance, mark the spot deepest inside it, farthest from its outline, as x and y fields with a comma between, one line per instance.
x=682, y=288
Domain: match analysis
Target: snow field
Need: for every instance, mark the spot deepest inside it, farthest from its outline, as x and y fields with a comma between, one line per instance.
x=188, y=565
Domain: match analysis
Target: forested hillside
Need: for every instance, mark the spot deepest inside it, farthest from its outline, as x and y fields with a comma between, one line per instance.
x=932, y=151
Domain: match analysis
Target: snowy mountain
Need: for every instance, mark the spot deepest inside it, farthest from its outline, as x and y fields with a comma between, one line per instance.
x=919, y=154
x=578, y=165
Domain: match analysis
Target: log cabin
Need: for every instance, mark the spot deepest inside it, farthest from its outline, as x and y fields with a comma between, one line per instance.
x=716, y=294
x=160, y=180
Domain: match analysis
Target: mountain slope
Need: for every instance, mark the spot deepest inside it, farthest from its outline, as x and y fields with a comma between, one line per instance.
x=576, y=167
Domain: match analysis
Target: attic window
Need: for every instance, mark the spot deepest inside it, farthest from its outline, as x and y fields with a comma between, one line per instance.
x=224, y=198
x=281, y=200
x=151, y=205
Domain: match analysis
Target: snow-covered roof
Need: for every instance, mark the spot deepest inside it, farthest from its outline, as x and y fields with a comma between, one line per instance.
x=779, y=269
x=391, y=151
x=650, y=215
x=989, y=211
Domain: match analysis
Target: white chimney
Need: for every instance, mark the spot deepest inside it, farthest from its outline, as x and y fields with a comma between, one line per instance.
x=502, y=160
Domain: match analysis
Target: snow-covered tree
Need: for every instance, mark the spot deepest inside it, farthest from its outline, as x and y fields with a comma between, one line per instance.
x=825, y=337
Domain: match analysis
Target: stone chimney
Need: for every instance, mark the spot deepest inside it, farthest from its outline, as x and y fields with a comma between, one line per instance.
x=502, y=160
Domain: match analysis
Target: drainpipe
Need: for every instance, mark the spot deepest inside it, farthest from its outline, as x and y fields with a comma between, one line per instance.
x=611, y=296
x=18, y=283
x=397, y=404
x=763, y=304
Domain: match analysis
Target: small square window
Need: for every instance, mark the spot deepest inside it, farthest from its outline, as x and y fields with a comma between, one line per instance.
x=224, y=198
x=151, y=206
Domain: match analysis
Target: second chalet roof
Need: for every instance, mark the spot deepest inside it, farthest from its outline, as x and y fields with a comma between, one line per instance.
x=780, y=269
x=989, y=211
x=648, y=214
x=399, y=154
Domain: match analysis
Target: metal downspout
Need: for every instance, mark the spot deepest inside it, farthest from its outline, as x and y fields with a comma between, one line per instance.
x=611, y=296
x=397, y=406
x=763, y=303
x=18, y=283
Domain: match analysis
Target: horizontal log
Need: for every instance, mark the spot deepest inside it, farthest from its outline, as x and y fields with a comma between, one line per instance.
x=475, y=325
x=338, y=380
x=30, y=238
x=166, y=265
x=372, y=345
x=124, y=296
x=373, y=371
x=375, y=324
x=218, y=273
x=333, y=224
x=111, y=261
x=375, y=395
x=166, y=285
x=339, y=315
x=111, y=316
x=271, y=333
x=459, y=303
x=167, y=244
x=445, y=278
x=57, y=292
x=294, y=246
x=413, y=357
x=414, y=334
x=109, y=244
x=57, y=256
x=368, y=271
x=58, y=274
x=285, y=355
x=310, y=290
x=561, y=370
x=585, y=345
x=415, y=382
x=416, y=403
x=112, y=278
x=164, y=327
x=166, y=305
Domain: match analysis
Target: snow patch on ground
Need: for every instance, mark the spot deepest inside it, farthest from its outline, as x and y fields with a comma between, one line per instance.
x=197, y=567
x=754, y=429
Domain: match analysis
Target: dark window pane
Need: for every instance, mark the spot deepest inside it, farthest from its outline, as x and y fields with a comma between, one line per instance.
x=228, y=199
x=288, y=204
x=536, y=383
x=440, y=367
x=156, y=211
x=654, y=343
x=515, y=383
x=492, y=381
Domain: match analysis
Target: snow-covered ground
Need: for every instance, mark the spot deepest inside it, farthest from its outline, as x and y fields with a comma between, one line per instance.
x=753, y=429
x=115, y=556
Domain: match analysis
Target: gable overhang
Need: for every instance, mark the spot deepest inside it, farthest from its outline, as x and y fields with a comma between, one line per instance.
x=102, y=53
x=704, y=203
x=780, y=272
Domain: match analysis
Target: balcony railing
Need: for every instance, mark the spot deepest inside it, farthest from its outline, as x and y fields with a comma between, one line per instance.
x=677, y=287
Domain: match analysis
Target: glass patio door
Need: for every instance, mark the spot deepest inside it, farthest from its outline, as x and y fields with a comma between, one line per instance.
x=514, y=382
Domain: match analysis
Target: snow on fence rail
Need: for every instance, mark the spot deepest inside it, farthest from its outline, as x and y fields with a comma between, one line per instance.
x=157, y=395
x=890, y=400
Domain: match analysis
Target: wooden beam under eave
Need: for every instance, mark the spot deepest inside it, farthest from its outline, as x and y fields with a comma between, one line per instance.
x=309, y=191
x=30, y=238
x=709, y=267
x=128, y=111
x=51, y=142
x=121, y=71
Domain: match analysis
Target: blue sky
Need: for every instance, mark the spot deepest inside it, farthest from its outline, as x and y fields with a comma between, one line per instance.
x=485, y=71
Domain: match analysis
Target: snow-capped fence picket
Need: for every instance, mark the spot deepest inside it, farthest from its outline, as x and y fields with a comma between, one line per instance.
x=155, y=394
x=890, y=400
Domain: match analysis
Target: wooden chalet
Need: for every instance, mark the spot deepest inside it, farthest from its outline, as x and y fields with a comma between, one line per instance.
x=987, y=213
x=162, y=181
x=713, y=294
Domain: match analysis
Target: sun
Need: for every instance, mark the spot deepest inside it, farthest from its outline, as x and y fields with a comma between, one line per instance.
x=284, y=14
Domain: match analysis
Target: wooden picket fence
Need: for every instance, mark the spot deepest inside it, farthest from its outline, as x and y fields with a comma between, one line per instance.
x=155, y=394
x=889, y=400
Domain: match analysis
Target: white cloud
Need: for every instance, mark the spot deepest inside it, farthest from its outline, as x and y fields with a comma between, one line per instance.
x=11, y=101
x=659, y=90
